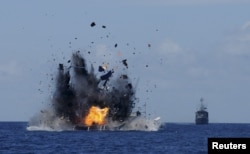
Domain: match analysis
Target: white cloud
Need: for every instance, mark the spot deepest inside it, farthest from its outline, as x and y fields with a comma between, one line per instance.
x=238, y=43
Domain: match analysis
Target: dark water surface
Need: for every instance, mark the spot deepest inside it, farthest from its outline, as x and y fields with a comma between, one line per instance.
x=172, y=138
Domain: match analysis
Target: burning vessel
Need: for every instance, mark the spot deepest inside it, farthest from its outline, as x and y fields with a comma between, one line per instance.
x=84, y=101
x=201, y=115
x=88, y=101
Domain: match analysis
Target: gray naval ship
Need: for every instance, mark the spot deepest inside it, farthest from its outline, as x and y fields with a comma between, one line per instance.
x=201, y=115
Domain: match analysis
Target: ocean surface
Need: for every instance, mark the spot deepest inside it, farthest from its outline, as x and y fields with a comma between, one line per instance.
x=172, y=138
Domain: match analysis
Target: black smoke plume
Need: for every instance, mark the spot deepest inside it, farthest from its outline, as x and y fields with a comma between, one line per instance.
x=77, y=89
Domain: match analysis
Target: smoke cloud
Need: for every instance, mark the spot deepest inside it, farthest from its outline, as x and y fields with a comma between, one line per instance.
x=77, y=90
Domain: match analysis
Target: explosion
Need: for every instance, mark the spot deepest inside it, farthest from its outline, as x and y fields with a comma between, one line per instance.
x=81, y=94
x=82, y=99
x=96, y=116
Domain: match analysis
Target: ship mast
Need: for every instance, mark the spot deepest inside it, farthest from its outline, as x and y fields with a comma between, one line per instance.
x=202, y=107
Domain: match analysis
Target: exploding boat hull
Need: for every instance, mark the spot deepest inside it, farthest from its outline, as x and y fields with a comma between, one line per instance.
x=83, y=100
x=133, y=123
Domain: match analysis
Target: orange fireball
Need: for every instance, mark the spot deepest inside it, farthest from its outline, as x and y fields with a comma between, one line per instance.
x=96, y=115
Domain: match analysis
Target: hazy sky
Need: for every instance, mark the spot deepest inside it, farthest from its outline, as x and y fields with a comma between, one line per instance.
x=198, y=49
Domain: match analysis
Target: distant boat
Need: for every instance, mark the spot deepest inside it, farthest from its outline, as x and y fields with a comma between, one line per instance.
x=201, y=115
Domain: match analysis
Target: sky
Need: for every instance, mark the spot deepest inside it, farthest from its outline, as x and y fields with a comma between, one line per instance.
x=198, y=49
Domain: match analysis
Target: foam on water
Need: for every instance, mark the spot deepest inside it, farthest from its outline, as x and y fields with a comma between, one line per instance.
x=46, y=121
x=142, y=124
x=133, y=124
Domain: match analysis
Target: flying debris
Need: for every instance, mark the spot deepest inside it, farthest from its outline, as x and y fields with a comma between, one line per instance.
x=80, y=101
x=124, y=76
x=85, y=100
x=101, y=69
x=107, y=75
x=125, y=62
x=92, y=24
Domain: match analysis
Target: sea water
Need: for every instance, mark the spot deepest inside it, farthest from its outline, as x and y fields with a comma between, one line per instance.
x=172, y=138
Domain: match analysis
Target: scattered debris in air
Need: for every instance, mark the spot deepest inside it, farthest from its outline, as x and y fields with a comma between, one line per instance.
x=78, y=89
x=124, y=76
x=125, y=62
x=92, y=24
x=107, y=75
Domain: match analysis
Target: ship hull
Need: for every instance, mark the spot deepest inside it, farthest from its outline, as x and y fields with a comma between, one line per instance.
x=201, y=121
